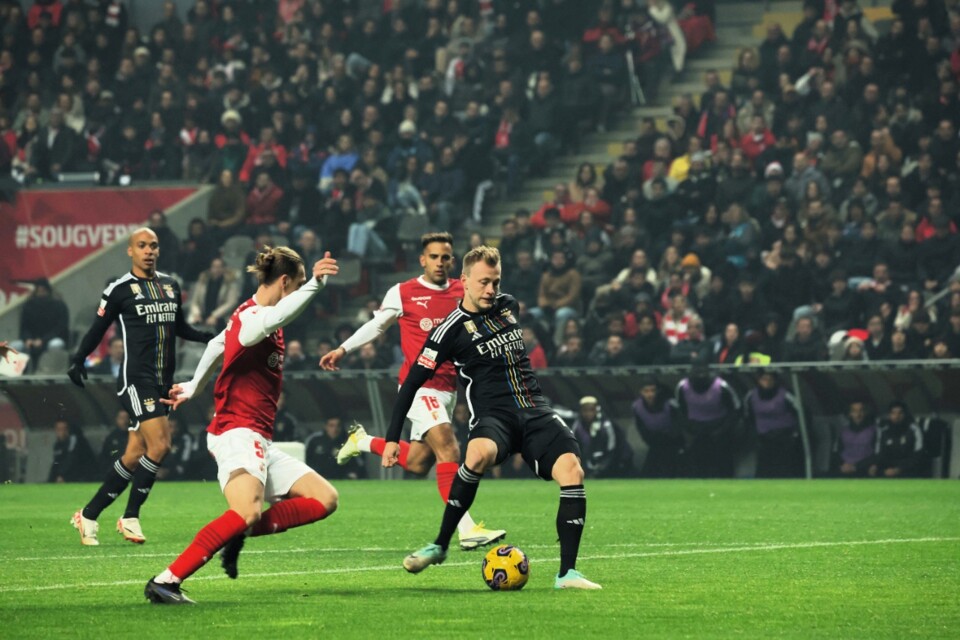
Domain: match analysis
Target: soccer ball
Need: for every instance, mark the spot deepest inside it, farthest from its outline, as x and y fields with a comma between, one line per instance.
x=506, y=568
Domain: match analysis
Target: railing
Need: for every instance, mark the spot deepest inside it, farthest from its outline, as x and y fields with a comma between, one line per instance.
x=824, y=389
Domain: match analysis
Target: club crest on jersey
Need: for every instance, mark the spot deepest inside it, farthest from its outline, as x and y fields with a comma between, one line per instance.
x=136, y=291
x=168, y=289
x=506, y=315
x=471, y=328
x=149, y=404
x=426, y=324
x=273, y=360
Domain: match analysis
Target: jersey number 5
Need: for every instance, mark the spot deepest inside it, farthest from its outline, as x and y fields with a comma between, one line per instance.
x=259, y=448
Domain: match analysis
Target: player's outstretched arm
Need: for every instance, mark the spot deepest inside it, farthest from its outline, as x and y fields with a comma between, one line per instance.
x=390, y=309
x=417, y=376
x=209, y=361
x=257, y=325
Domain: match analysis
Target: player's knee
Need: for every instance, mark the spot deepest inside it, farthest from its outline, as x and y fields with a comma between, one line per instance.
x=448, y=453
x=330, y=501
x=419, y=467
x=251, y=515
x=567, y=470
x=157, y=451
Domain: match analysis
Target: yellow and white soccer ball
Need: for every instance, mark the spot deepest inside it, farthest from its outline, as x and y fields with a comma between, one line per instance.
x=506, y=568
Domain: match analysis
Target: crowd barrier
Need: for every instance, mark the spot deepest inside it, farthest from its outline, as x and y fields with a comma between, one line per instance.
x=29, y=406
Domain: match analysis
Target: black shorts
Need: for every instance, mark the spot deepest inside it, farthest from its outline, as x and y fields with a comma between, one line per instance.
x=142, y=402
x=539, y=435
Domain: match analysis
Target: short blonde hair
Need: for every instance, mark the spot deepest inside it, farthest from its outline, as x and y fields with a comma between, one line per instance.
x=483, y=253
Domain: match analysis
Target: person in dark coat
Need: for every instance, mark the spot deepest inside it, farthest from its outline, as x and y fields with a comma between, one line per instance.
x=73, y=459
x=322, y=447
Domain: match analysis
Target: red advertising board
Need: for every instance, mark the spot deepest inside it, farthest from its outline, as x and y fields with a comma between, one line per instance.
x=44, y=232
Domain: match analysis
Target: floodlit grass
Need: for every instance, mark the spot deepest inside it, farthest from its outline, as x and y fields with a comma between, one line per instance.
x=677, y=559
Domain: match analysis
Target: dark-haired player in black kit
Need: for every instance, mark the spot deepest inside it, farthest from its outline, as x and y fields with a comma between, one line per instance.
x=147, y=305
x=509, y=414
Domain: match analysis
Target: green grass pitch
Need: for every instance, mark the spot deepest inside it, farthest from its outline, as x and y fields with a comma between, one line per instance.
x=677, y=559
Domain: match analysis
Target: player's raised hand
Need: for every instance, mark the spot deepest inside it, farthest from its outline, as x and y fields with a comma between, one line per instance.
x=391, y=454
x=326, y=266
x=330, y=359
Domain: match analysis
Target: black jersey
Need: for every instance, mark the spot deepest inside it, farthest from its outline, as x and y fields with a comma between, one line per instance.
x=150, y=317
x=490, y=358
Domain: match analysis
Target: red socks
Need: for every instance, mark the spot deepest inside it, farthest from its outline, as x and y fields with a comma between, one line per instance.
x=288, y=514
x=377, y=444
x=446, y=472
x=208, y=541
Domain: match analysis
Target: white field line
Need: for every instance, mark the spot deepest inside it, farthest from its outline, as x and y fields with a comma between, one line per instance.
x=615, y=556
x=628, y=545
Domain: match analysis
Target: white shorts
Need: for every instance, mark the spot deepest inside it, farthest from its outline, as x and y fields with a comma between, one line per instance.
x=430, y=408
x=248, y=450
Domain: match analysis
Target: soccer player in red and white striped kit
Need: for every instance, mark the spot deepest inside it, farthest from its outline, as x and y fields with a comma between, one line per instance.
x=250, y=470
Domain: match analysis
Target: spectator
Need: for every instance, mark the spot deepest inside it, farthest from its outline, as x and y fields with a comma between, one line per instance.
x=559, y=296
x=322, y=448
x=545, y=120
x=535, y=351
x=113, y=363
x=181, y=460
x=607, y=452
x=286, y=427
x=294, y=359
x=116, y=441
x=170, y=256
x=727, y=348
x=44, y=322
x=694, y=347
x=608, y=68
x=676, y=322
x=215, y=296
x=650, y=347
x=56, y=150
x=73, y=459
x=263, y=204
x=899, y=449
x=571, y=353
x=344, y=158
x=613, y=354
x=807, y=344
x=226, y=209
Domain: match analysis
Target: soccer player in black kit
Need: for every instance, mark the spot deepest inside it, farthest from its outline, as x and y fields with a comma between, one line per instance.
x=147, y=304
x=508, y=413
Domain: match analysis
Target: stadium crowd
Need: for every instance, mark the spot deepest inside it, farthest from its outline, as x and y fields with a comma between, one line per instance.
x=806, y=212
